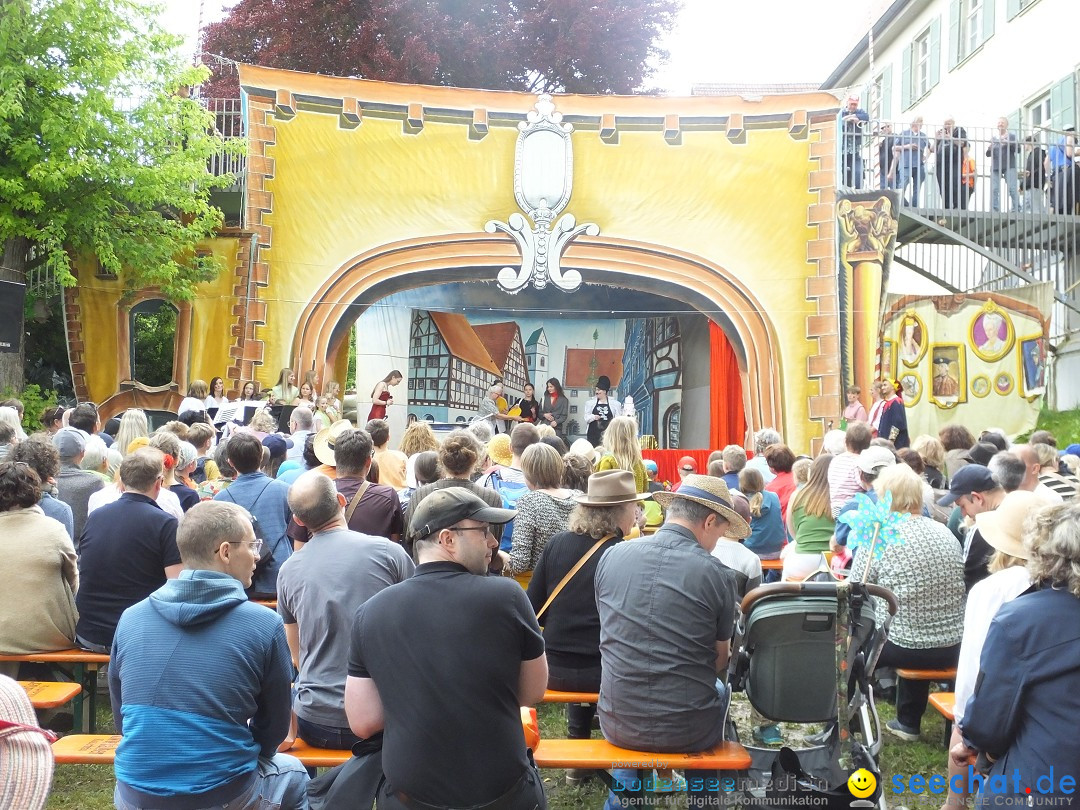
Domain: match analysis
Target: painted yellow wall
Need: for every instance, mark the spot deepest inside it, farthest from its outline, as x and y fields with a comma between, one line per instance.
x=337, y=193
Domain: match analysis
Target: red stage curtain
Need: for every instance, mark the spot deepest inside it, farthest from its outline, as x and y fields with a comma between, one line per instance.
x=726, y=396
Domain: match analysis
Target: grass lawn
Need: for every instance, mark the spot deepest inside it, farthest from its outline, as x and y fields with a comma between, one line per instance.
x=90, y=787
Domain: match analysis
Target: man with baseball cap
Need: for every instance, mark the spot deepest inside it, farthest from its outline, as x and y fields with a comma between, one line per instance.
x=974, y=490
x=442, y=663
x=667, y=612
x=687, y=466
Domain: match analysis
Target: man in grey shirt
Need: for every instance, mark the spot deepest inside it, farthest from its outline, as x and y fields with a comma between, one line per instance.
x=74, y=486
x=667, y=613
x=320, y=588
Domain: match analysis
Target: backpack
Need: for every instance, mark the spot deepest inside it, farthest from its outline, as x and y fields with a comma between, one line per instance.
x=509, y=491
x=199, y=473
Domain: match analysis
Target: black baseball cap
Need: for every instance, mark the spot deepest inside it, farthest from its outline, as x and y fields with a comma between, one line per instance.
x=445, y=507
x=972, y=478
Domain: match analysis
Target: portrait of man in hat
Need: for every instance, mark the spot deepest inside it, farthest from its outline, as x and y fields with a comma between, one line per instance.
x=944, y=384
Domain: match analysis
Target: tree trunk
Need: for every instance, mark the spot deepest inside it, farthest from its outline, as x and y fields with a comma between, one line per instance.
x=13, y=268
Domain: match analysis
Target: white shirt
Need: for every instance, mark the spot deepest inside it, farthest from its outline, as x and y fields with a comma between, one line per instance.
x=191, y=404
x=983, y=602
x=166, y=499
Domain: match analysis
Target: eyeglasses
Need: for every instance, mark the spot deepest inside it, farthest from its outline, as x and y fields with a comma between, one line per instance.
x=254, y=545
x=484, y=529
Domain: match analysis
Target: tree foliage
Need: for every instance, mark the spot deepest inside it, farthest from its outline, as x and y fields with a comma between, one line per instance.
x=572, y=46
x=102, y=157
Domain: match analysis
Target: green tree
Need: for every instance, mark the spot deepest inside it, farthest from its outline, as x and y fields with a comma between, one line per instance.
x=103, y=158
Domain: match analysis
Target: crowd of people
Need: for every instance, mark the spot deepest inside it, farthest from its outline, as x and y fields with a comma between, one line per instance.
x=391, y=566
x=941, y=170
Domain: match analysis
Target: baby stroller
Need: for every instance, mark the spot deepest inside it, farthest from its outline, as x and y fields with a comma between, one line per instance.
x=798, y=646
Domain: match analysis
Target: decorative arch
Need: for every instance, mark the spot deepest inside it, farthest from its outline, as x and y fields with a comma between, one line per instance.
x=714, y=291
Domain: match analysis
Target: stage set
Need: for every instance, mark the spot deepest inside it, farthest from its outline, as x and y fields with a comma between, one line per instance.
x=694, y=250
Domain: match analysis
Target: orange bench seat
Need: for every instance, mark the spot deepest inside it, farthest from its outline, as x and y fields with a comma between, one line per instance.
x=944, y=703
x=555, y=696
x=602, y=755
x=79, y=665
x=927, y=674
x=72, y=656
x=100, y=749
x=50, y=694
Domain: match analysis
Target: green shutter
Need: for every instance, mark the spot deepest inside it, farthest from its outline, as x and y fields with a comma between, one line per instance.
x=1012, y=8
x=954, y=33
x=935, y=51
x=886, y=93
x=987, y=20
x=905, y=79
x=1063, y=103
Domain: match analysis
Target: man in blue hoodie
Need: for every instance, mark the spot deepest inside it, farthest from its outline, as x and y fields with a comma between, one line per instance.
x=199, y=681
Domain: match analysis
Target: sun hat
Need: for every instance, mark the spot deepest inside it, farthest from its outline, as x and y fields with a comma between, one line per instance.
x=1003, y=528
x=69, y=442
x=970, y=478
x=26, y=760
x=445, y=507
x=137, y=443
x=498, y=450
x=688, y=464
x=324, y=441
x=712, y=493
x=611, y=487
x=873, y=459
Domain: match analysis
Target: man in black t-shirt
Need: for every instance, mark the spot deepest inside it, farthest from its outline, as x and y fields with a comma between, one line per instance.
x=128, y=550
x=441, y=664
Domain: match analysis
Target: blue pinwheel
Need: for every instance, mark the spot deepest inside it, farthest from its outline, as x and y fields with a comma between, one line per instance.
x=873, y=526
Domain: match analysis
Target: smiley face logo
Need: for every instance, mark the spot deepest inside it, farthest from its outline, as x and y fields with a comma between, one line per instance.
x=862, y=783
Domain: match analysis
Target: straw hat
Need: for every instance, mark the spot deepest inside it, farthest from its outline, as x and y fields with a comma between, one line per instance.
x=584, y=448
x=324, y=441
x=610, y=488
x=712, y=493
x=1003, y=528
x=498, y=450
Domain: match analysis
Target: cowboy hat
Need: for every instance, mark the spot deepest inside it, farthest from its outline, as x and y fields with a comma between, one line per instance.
x=324, y=441
x=710, y=492
x=610, y=488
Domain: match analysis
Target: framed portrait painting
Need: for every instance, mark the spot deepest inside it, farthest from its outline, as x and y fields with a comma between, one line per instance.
x=1031, y=366
x=991, y=333
x=948, y=380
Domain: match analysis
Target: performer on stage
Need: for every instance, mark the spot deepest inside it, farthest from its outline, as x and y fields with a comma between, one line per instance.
x=381, y=397
x=599, y=411
x=529, y=407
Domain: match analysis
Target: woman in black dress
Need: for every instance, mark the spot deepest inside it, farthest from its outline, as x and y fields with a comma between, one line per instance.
x=530, y=408
x=599, y=411
x=951, y=149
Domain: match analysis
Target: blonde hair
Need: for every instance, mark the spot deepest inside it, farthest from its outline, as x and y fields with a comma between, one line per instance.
x=198, y=389
x=263, y=422
x=133, y=425
x=930, y=450
x=542, y=466
x=1052, y=536
x=543, y=431
x=1046, y=454
x=801, y=470
x=999, y=561
x=621, y=442
x=417, y=438
x=814, y=497
x=751, y=484
x=904, y=484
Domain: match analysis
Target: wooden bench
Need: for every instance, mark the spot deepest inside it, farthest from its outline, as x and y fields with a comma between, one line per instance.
x=772, y=565
x=83, y=670
x=50, y=694
x=940, y=675
x=554, y=696
x=944, y=703
x=270, y=603
x=598, y=755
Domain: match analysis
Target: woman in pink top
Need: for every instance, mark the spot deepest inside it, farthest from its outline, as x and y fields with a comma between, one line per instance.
x=854, y=412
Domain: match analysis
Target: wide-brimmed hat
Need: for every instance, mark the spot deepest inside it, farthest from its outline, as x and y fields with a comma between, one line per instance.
x=324, y=441
x=713, y=493
x=498, y=449
x=583, y=447
x=610, y=488
x=1003, y=528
